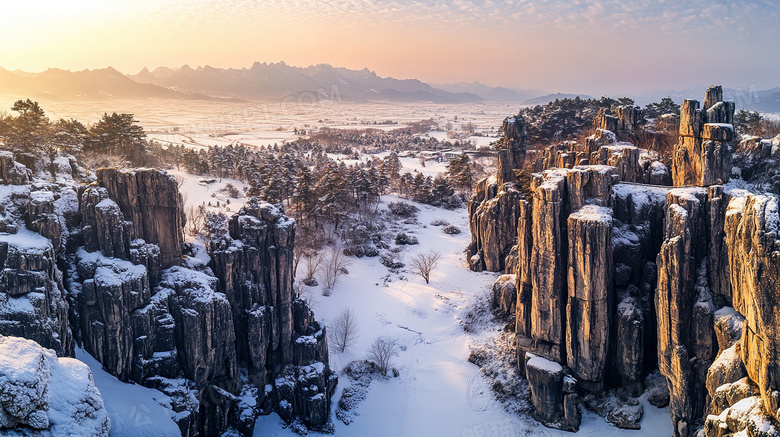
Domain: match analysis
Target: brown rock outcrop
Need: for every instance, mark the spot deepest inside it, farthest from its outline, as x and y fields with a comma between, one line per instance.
x=150, y=199
x=273, y=333
x=686, y=337
x=590, y=288
x=703, y=154
x=493, y=213
x=614, y=279
x=752, y=227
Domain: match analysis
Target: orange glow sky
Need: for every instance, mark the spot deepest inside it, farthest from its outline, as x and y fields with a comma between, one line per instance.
x=568, y=46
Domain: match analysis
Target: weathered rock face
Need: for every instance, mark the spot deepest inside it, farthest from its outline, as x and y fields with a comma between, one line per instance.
x=110, y=291
x=553, y=394
x=32, y=296
x=548, y=233
x=150, y=199
x=703, y=155
x=560, y=155
x=493, y=210
x=505, y=295
x=615, y=280
x=627, y=118
x=493, y=213
x=257, y=273
x=13, y=172
x=686, y=337
x=511, y=156
x=152, y=315
x=575, y=306
x=274, y=334
x=752, y=227
x=590, y=293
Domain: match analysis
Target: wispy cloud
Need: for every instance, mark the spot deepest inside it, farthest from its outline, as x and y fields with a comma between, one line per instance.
x=494, y=40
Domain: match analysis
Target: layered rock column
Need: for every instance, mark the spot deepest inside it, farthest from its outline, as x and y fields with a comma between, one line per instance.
x=276, y=337
x=703, y=154
x=590, y=289
x=548, y=282
x=493, y=210
x=151, y=200
x=686, y=336
x=752, y=228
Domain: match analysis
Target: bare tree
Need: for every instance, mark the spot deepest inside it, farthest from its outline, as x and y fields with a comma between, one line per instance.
x=95, y=160
x=196, y=219
x=312, y=265
x=424, y=263
x=343, y=332
x=381, y=353
x=304, y=292
x=468, y=128
x=180, y=180
x=334, y=267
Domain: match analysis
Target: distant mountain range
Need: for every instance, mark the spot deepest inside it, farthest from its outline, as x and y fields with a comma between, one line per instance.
x=493, y=94
x=106, y=83
x=270, y=81
x=263, y=81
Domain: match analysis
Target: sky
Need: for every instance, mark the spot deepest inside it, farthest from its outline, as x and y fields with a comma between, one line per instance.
x=558, y=45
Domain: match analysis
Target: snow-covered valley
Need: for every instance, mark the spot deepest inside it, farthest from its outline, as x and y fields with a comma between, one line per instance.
x=437, y=390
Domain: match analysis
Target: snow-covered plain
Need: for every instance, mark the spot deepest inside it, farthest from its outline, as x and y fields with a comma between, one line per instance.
x=209, y=123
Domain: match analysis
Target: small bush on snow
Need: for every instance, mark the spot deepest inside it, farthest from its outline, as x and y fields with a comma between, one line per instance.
x=403, y=209
x=451, y=230
x=402, y=239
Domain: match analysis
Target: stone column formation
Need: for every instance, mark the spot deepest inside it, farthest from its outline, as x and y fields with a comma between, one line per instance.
x=225, y=340
x=703, y=154
x=615, y=280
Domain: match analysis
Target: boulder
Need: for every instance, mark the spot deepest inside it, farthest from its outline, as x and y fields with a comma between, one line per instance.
x=505, y=295
x=41, y=394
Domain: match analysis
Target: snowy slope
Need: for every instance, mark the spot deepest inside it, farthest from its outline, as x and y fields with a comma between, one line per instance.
x=134, y=411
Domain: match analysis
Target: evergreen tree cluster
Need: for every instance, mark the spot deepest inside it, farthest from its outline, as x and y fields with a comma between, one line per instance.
x=563, y=119
x=31, y=131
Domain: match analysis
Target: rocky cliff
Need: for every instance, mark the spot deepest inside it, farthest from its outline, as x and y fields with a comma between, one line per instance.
x=105, y=266
x=618, y=275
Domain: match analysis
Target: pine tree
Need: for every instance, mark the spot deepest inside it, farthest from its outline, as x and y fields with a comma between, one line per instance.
x=441, y=190
x=304, y=199
x=333, y=195
x=30, y=130
x=460, y=174
x=118, y=134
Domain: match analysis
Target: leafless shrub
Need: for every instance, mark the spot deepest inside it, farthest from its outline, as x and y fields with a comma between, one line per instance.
x=96, y=160
x=304, y=292
x=424, y=263
x=343, y=332
x=468, y=128
x=196, y=219
x=381, y=353
x=180, y=180
x=334, y=266
x=312, y=264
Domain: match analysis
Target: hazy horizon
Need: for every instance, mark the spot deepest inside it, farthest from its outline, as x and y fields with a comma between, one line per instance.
x=601, y=47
